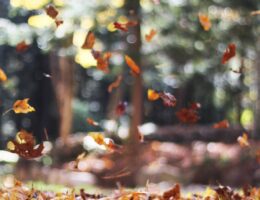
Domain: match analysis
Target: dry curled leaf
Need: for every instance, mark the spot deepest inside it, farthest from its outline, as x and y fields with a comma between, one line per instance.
x=22, y=46
x=22, y=106
x=133, y=66
x=115, y=84
x=229, y=53
x=24, y=145
x=150, y=35
x=89, y=41
x=3, y=76
x=152, y=95
x=124, y=27
x=102, y=60
x=222, y=124
x=204, y=21
x=243, y=140
x=51, y=11
x=91, y=122
x=168, y=99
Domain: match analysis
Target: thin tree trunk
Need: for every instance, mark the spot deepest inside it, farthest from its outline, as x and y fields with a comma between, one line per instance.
x=133, y=6
x=62, y=76
x=257, y=102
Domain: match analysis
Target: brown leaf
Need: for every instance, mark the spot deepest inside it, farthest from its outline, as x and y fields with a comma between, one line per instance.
x=173, y=194
x=89, y=41
x=229, y=53
x=115, y=84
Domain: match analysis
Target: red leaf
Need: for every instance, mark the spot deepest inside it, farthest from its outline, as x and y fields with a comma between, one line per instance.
x=51, y=11
x=124, y=27
x=22, y=46
x=222, y=124
x=229, y=53
x=121, y=107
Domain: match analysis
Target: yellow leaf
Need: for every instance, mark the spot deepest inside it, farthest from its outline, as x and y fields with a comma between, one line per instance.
x=3, y=76
x=152, y=95
x=22, y=106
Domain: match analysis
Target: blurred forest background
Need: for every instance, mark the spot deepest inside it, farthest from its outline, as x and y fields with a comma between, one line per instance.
x=64, y=86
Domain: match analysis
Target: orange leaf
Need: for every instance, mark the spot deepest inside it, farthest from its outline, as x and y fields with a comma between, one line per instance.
x=221, y=124
x=150, y=35
x=243, y=140
x=92, y=122
x=58, y=22
x=256, y=12
x=152, y=95
x=98, y=138
x=133, y=66
x=22, y=46
x=102, y=61
x=115, y=84
x=174, y=193
x=51, y=11
x=24, y=145
x=22, y=106
x=3, y=76
x=204, y=21
x=89, y=41
x=190, y=114
x=229, y=53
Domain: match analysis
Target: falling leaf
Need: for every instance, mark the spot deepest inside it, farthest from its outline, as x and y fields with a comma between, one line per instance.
x=92, y=122
x=150, y=35
x=152, y=95
x=24, y=145
x=98, y=138
x=256, y=12
x=243, y=140
x=189, y=115
x=229, y=53
x=22, y=106
x=204, y=21
x=124, y=27
x=95, y=54
x=58, y=22
x=168, y=99
x=115, y=84
x=133, y=66
x=51, y=11
x=3, y=76
x=89, y=41
x=22, y=46
x=103, y=62
x=120, y=108
x=222, y=124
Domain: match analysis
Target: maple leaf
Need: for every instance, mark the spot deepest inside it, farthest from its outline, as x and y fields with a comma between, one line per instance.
x=204, y=21
x=190, y=114
x=22, y=46
x=174, y=193
x=150, y=35
x=89, y=41
x=3, y=76
x=24, y=145
x=229, y=53
x=168, y=99
x=222, y=124
x=243, y=140
x=102, y=60
x=133, y=66
x=115, y=84
x=22, y=106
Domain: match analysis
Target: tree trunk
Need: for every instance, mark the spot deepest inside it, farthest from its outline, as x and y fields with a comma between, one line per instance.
x=62, y=77
x=133, y=7
x=257, y=102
